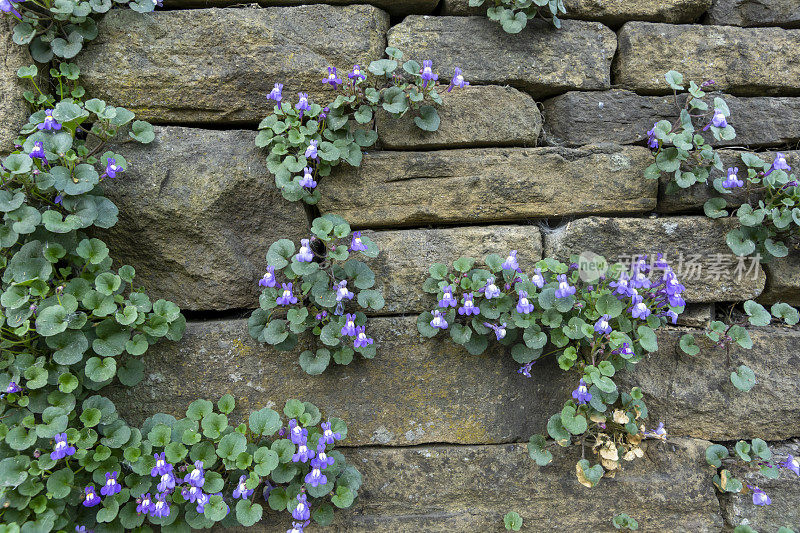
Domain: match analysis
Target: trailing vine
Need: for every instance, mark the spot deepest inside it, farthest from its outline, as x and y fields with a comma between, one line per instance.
x=513, y=15
x=73, y=325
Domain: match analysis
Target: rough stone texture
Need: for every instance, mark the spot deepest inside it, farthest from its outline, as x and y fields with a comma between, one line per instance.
x=402, y=266
x=692, y=245
x=487, y=185
x=745, y=61
x=394, y=7
x=694, y=397
x=415, y=391
x=783, y=278
x=610, y=12
x=541, y=60
x=579, y=118
x=694, y=197
x=203, y=73
x=13, y=108
x=473, y=116
x=784, y=493
x=696, y=315
x=470, y=488
x=198, y=211
x=784, y=13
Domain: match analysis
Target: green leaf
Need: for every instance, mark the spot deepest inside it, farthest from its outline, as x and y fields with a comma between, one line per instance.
x=265, y=422
x=761, y=449
x=743, y=451
x=59, y=484
x=715, y=454
x=248, y=513
x=576, y=425
x=786, y=312
x=537, y=451
x=758, y=315
x=588, y=476
x=52, y=321
x=343, y=498
x=715, y=208
x=142, y=132
x=512, y=521
x=557, y=431
x=226, y=404
x=279, y=253
x=674, y=79
x=429, y=118
x=688, y=345
x=743, y=379
x=315, y=365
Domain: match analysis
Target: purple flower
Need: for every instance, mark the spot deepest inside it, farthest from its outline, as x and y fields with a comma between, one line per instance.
x=13, y=387
x=658, y=433
x=356, y=245
x=305, y=255
x=304, y=454
x=38, y=151
x=525, y=369
x=490, y=290
x=297, y=434
x=161, y=507
x=241, y=490
x=447, y=298
x=671, y=315
x=202, y=500
x=792, y=463
x=718, y=120
x=308, y=178
x=333, y=80
x=196, y=477
x=112, y=168
x=537, y=278
x=499, y=331
x=112, y=486
x=652, y=142
x=582, y=394
x=59, y=199
x=287, y=297
x=276, y=93
x=457, y=81
x=297, y=527
x=302, y=105
x=759, y=496
x=322, y=461
x=269, y=278
x=469, y=307
x=349, y=327
x=311, y=151
x=362, y=341
x=779, y=163
x=192, y=493
x=61, y=448
x=639, y=309
x=91, y=498
x=626, y=350
x=356, y=75
x=316, y=477
x=438, y=320
x=602, y=326
x=167, y=482
x=427, y=73
x=322, y=315
x=342, y=293
x=564, y=288
x=511, y=261
x=8, y=7
x=49, y=122
x=301, y=512
x=328, y=435
x=732, y=180
x=524, y=306
x=162, y=466
x=640, y=279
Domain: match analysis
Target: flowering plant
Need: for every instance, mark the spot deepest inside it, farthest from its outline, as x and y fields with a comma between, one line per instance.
x=60, y=28
x=307, y=140
x=756, y=457
x=594, y=326
x=718, y=334
x=766, y=198
x=514, y=15
x=313, y=288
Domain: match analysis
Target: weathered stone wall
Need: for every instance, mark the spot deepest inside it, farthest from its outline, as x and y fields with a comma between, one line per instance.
x=544, y=153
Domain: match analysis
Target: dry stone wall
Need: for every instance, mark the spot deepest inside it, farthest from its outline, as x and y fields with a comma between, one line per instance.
x=544, y=153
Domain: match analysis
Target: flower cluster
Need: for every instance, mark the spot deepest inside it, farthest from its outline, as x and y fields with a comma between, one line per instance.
x=318, y=294
x=767, y=197
x=306, y=140
x=592, y=326
x=513, y=15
